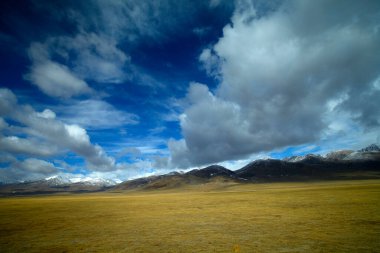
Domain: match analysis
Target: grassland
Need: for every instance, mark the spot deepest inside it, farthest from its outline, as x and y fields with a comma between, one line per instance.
x=279, y=217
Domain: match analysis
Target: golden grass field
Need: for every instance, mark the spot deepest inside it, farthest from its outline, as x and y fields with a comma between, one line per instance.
x=340, y=216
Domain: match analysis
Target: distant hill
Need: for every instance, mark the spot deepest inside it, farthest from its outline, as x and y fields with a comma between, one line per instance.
x=55, y=184
x=343, y=164
x=211, y=174
x=213, y=171
x=310, y=168
x=346, y=164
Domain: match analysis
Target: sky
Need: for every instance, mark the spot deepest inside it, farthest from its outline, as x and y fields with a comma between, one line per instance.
x=124, y=89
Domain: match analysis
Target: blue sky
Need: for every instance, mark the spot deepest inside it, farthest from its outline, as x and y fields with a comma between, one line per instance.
x=122, y=89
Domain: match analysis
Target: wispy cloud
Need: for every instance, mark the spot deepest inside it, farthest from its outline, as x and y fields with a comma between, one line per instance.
x=95, y=114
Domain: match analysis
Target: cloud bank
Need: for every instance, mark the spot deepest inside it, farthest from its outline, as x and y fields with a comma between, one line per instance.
x=285, y=79
x=42, y=134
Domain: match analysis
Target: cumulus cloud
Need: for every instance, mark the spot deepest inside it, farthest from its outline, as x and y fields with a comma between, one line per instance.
x=88, y=56
x=213, y=129
x=3, y=124
x=62, y=65
x=43, y=126
x=7, y=102
x=279, y=75
x=211, y=62
x=28, y=169
x=77, y=59
x=96, y=114
x=16, y=145
x=46, y=114
x=57, y=80
x=37, y=166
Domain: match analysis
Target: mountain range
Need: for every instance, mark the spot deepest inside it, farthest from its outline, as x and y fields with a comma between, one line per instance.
x=343, y=164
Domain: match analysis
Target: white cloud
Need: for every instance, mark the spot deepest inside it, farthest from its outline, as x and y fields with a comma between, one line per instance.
x=240, y=163
x=130, y=151
x=16, y=145
x=213, y=129
x=57, y=80
x=201, y=31
x=95, y=114
x=77, y=133
x=7, y=158
x=7, y=102
x=46, y=114
x=3, y=124
x=52, y=131
x=92, y=56
x=107, y=30
x=28, y=169
x=214, y=3
x=179, y=155
x=279, y=75
x=87, y=56
x=171, y=116
x=139, y=20
x=37, y=166
x=210, y=62
x=94, y=53
x=157, y=130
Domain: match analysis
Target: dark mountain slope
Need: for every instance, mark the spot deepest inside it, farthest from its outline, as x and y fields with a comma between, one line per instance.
x=311, y=167
x=212, y=171
x=175, y=180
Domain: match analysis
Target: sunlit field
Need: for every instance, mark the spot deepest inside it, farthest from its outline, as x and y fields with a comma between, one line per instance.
x=279, y=217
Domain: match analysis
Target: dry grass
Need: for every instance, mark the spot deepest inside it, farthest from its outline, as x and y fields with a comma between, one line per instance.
x=283, y=217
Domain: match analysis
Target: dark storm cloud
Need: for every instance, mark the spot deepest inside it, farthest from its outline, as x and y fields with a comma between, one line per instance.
x=284, y=79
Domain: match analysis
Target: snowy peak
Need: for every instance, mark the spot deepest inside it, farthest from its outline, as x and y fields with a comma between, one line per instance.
x=93, y=181
x=370, y=153
x=370, y=148
x=59, y=180
x=343, y=164
x=294, y=159
x=56, y=180
x=310, y=158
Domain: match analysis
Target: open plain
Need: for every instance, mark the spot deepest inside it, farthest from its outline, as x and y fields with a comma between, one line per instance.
x=332, y=216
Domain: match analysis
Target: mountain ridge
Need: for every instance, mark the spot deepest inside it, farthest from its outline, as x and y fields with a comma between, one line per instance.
x=341, y=164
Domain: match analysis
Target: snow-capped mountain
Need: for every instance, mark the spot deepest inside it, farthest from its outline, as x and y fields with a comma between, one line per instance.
x=372, y=152
x=66, y=180
x=304, y=158
x=370, y=148
x=343, y=164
